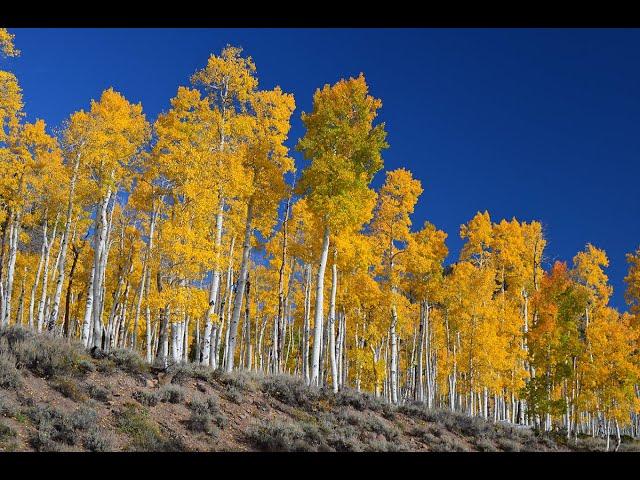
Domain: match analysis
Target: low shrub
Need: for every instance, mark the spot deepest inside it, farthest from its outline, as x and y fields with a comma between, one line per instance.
x=83, y=418
x=9, y=374
x=6, y=432
x=485, y=445
x=98, y=393
x=184, y=371
x=52, y=427
x=172, y=393
x=508, y=444
x=359, y=400
x=146, y=398
x=242, y=380
x=43, y=354
x=290, y=390
x=98, y=440
x=202, y=422
x=208, y=409
x=69, y=388
x=596, y=444
x=285, y=437
x=367, y=422
x=383, y=445
x=144, y=433
x=344, y=440
x=129, y=361
x=233, y=394
x=8, y=406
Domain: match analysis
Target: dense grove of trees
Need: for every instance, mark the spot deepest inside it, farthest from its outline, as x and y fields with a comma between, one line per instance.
x=195, y=239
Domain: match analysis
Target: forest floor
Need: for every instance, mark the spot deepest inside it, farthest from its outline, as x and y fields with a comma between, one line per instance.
x=55, y=396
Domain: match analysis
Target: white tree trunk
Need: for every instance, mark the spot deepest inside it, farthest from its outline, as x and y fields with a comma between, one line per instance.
x=242, y=281
x=332, y=318
x=86, y=323
x=13, y=250
x=34, y=288
x=394, y=355
x=99, y=264
x=306, y=326
x=53, y=318
x=319, y=311
x=147, y=285
x=45, y=277
x=213, y=291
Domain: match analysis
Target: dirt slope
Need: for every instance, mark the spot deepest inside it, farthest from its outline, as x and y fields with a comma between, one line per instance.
x=54, y=396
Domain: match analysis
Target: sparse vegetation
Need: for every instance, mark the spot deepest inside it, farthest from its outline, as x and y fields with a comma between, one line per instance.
x=53, y=428
x=241, y=380
x=233, y=394
x=144, y=433
x=172, y=393
x=9, y=375
x=147, y=398
x=43, y=354
x=98, y=440
x=301, y=418
x=6, y=433
x=282, y=437
x=129, y=361
x=98, y=393
x=290, y=390
x=206, y=416
x=359, y=401
x=8, y=406
x=83, y=418
x=69, y=387
x=185, y=371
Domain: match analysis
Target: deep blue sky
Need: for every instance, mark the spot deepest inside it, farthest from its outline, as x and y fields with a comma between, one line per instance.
x=536, y=124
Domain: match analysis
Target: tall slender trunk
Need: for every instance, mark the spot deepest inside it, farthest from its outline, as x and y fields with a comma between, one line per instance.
x=74, y=263
x=247, y=322
x=86, y=324
x=319, y=313
x=281, y=300
x=332, y=318
x=45, y=277
x=53, y=318
x=14, y=235
x=394, y=355
x=136, y=318
x=147, y=283
x=213, y=290
x=306, y=326
x=99, y=264
x=242, y=280
x=163, y=337
x=34, y=288
x=419, y=396
x=20, y=313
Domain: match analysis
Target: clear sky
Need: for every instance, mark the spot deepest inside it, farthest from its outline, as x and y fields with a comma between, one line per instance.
x=537, y=124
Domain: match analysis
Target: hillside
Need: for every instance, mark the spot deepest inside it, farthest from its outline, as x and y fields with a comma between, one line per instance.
x=55, y=396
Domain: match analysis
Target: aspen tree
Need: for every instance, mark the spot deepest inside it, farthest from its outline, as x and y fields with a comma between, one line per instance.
x=391, y=227
x=228, y=82
x=344, y=148
x=266, y=162
x=7, y=47
x=115, y=132
x=33, y=156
